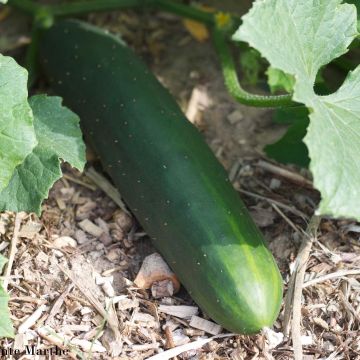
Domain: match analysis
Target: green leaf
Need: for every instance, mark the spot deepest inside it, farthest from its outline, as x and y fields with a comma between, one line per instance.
x=57, y=129
x=290, y=149
x=17, y=134
x=278, y=80
x=333, y=140
x=59, y=136
x=356, y=3
x=290, y=115
x=306, y=36
x=3, y=1
x=251, y=64
x=6, y=328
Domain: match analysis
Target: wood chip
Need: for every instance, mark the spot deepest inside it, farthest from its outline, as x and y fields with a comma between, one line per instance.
x=91, y=228
x=206, y=325
x=321, y=322
x=179, y=338
x=32, y=319
x=88, y=345
x=30, y=229
x=180, y=311
x=75, y=327
x=199, y=101
x=126, y=303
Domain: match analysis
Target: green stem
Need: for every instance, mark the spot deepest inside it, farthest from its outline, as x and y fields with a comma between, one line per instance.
x=42, y=20
x=232, y=81
x=186, y=11
x=84, y=7
x=31, y=63
x=27, y=6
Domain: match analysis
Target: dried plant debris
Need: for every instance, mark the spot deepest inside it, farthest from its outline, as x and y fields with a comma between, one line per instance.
x=81, y=283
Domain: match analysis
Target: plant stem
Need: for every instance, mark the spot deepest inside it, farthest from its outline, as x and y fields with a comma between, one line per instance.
x=84, y=7
x=232, y=81
x=31, y=63
x=27, y=6
x=186, y=11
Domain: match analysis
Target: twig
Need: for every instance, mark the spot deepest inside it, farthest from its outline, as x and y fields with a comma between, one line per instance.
x=55, y=339
x=13, y=249
x=278, y=203
x=277, y=170
x=333, y=275
x=348, y=307
x=276, y=208
x=58, y=303
x=170, y=340
x=32, y=319
x=106, y=187
x=77, y=181
x=293, y=297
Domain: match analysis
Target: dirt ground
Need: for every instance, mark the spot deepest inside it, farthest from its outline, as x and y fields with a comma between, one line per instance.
x=74, y=268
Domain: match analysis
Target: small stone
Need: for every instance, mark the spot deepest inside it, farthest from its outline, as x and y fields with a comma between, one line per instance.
x=235, y=117
x=155, y=269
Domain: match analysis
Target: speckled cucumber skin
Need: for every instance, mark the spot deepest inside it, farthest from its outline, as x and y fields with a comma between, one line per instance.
x=167, y=174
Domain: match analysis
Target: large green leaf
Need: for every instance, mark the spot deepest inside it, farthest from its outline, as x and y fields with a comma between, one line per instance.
x=291, y=148
x=279, y=81
x=57, y=129
x=59, y=136
x=17, y=135
x=307, y=35
x=6, y=328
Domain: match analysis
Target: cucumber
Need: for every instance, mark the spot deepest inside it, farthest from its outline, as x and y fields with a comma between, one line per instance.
x=167, y=174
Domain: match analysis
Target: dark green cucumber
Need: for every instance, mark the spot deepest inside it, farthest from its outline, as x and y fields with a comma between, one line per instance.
x=167, y=174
